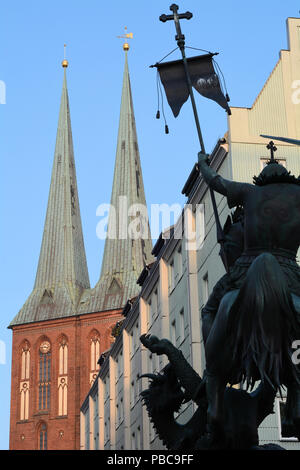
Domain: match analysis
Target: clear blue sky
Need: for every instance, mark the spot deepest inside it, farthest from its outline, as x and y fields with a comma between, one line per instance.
x=32, y=33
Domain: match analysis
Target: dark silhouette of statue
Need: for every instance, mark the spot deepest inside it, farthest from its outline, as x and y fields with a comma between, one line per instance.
x=259, y=316
x=250, y=323
x=234, y=247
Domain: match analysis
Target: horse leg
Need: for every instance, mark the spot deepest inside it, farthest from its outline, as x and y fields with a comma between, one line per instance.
x=215, y=388
x=217, y=362
x=293, y=394
x=291, y=423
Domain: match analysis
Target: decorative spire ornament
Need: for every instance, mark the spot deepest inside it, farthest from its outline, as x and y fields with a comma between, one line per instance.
x=272, y=149
x=65, y=63
x=126, y=36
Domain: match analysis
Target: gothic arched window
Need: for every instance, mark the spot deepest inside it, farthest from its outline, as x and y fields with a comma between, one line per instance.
x=44, y=380
x=42, y=437
x=63, y=378
x=95, y=355
x=24, y=382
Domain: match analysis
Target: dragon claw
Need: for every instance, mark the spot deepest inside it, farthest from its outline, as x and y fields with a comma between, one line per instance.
x=154, y=344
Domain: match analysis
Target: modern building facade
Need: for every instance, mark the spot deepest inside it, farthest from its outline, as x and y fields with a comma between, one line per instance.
x=176, y=286
x=65, y=325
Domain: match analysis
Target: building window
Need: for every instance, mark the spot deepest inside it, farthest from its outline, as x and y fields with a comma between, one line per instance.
x=171, y=276
x=152, y=432
x=87, y=429
x=63, y=357
x=138, y=438
x=106, y=388
x=96, y=422
x=63, y=378
x=199, y=221
x=181, y=326
x=150, y=364
x=205, y=288
x=154, y=363
x=264, y=161
x=137, y=388
x=137, y=336
x=43, y=437
x=133, y=447
x=95, y=355
x=24, y=382
x=117, y=376
x=284, y=429
x=173, y=332
x=119, y=368
x=118, y=414
x=44, y=383
x=121, y=410
x=153, y=306
x=106, y=431
x=179, y=263
x=25, y=361
x=131, y=344
x=132, y=394
x=134, y=339
x=149, y=310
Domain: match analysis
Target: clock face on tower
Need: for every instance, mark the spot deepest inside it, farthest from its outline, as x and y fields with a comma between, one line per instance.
x=45, y=347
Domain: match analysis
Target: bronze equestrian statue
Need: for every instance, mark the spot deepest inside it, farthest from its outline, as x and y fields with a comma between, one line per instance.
x=250, y=324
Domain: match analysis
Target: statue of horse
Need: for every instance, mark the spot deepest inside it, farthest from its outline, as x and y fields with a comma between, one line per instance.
x=250, y=341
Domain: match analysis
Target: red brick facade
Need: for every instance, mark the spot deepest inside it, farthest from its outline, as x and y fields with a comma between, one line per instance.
x=56, y=432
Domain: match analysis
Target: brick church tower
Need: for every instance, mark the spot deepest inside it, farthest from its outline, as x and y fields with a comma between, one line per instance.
x=64, y=326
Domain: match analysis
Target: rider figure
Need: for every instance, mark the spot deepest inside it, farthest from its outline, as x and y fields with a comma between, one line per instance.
x=271, y=224
x=271, y=217
x=234, y=247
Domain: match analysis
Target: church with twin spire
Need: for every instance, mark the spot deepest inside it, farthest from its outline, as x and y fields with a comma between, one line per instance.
x=65, y=325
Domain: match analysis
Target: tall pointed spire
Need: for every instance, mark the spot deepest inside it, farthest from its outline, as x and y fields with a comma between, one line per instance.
x=124, y=257
x=62, y=272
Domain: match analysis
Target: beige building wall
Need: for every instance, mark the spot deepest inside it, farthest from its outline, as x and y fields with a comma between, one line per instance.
x=164, y=309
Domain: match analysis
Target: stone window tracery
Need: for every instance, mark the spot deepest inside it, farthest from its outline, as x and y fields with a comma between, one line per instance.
x=63, y=378
x=44, y=376
x=42, y=437
x=94, y=356
x=24, y=382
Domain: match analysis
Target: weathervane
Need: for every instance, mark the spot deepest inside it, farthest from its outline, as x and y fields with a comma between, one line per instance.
x=126, y=36
x=65, y=63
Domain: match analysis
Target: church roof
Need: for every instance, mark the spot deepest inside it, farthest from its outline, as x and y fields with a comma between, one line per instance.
x=62, y=272
x=62, y=285
x=124, y=257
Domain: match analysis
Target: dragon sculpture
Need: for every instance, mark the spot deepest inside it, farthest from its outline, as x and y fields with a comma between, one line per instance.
x=178, y=384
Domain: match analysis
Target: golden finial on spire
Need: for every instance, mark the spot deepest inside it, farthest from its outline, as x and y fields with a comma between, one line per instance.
x=65, y=63
x=126, y=36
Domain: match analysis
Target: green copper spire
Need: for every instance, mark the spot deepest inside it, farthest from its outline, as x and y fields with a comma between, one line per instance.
x=124, y=257
x=62, y=272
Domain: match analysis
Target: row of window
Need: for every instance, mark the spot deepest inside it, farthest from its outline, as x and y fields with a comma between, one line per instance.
x=44, y=379
x=177, y=336
x=175, y=269
x=136, y=436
